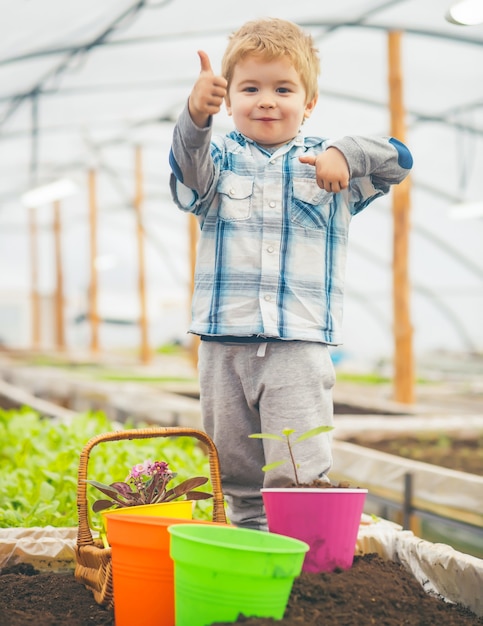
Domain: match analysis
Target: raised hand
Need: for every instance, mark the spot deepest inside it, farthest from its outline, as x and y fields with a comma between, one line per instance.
x=331, y=169
x=207, y=94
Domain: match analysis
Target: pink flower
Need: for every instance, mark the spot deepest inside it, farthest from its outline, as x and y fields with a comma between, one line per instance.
x=141, y=469
x=160, y=467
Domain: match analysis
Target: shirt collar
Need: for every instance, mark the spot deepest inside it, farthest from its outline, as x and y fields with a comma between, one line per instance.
x=297, y=141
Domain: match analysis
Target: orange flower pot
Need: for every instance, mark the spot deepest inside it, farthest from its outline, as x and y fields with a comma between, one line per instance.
x=142, y=569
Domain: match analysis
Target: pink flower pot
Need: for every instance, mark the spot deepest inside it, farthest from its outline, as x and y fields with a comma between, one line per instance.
x=327, y=519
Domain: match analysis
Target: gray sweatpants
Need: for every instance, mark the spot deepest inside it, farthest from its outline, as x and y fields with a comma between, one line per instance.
x=248, y=388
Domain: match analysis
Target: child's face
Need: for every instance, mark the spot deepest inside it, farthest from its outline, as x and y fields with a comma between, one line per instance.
x=268, y=101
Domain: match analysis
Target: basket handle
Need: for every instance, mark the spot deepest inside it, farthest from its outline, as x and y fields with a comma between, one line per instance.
x=84, y=535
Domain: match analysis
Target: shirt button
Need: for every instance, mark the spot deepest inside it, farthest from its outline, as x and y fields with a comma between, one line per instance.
x=270, y=249
x=268, y=298
x=232, y=192
x=272, y=204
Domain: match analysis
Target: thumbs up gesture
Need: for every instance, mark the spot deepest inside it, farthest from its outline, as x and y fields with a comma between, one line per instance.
x=207, y=94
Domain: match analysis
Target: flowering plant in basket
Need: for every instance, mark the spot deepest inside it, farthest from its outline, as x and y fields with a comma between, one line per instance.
x=147, y=483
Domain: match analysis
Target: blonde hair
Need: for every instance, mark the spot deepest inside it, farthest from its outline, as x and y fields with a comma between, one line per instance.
x=272, y=38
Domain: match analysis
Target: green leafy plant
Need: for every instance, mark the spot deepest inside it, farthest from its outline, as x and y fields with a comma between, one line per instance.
x=285, y=436
x=147, y=483
x=39, y=461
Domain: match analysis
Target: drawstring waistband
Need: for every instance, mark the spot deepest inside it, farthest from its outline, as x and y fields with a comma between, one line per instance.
x=240, y=339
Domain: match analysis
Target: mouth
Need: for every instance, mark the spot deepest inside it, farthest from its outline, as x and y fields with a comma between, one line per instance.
x=266, y=119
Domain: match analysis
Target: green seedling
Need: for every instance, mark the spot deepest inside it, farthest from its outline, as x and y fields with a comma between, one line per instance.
x=285, y=436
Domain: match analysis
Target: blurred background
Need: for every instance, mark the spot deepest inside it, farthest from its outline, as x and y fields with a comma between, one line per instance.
x=89, y=93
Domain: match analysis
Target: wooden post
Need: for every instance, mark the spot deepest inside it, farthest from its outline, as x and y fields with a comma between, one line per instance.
x=145, y=352
x=34, y=280
x=193, y=227
x=93, y=302
x=59, y=286
x=403, y=332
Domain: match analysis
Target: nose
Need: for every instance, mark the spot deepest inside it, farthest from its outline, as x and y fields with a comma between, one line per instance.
x=266, y=101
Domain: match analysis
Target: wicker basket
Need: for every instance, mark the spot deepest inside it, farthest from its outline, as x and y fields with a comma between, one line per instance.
x=93, y=561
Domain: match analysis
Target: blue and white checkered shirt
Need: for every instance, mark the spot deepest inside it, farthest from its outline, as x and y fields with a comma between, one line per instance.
x=272, y=251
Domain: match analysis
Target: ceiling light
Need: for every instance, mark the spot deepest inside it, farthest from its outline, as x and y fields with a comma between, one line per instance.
x=46, y=194
x=465, y=13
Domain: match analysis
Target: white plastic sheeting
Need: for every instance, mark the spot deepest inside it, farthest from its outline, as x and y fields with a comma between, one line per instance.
x=441, y=570
x=434, y=487
x=44, y=547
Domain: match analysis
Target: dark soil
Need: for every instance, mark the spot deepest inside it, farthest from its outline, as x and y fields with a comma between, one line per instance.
x=373, y=591
x=464, y=454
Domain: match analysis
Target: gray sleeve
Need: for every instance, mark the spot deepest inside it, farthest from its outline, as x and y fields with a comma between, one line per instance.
x=385, y=159
x=190, y=160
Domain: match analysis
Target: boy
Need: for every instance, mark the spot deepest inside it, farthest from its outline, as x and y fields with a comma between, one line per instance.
x=274, y=209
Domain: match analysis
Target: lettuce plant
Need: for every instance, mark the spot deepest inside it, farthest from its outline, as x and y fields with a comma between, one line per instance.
x=39, y=460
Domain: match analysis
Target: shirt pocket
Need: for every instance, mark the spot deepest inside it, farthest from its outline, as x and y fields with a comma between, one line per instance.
x=311, y=205
x=235, y=194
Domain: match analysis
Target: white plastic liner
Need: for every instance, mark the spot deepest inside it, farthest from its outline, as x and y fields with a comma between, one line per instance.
x=441, y=570
x=46, y=548
x=389, y=425
x=434, y=488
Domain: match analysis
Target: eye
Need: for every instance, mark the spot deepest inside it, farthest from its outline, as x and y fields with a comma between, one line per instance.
x=283, y=90
x=250, y=89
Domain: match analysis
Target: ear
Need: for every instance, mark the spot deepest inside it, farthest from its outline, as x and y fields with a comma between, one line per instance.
x=310, y=106
x=227, y=105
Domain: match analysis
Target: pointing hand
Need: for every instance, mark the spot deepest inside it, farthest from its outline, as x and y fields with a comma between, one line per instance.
x=331, y=169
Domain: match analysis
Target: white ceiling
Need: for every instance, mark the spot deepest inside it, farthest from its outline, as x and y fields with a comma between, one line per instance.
x=82, y=83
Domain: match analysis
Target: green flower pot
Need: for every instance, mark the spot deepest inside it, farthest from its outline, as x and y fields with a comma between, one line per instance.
x=222, y=571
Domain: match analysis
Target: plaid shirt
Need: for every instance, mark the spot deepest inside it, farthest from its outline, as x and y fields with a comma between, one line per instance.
x=272, y=251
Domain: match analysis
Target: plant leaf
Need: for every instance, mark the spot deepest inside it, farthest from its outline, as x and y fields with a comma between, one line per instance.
x=102, y=505
x=132, y=498
x=185, y=487
x=107, y=490
x=191, y=483
x=266, y=436
x=122, y=488
x=198, y=495
x=272, y=466
x=312, y=433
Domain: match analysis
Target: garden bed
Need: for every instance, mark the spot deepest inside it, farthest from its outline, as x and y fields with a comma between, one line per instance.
x=396, y=579
x=373, y=591
x=464, y=454
x=445, y=492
